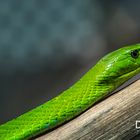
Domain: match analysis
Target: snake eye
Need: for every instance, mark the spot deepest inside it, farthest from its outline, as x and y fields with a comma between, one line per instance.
x=135, y=54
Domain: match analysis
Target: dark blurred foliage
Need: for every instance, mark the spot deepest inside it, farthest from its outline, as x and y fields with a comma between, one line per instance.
x=47, y=45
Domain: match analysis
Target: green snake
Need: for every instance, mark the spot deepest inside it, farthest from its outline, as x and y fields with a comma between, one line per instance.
x=108, y=74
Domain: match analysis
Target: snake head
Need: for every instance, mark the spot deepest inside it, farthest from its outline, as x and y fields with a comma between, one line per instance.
x=120, y=65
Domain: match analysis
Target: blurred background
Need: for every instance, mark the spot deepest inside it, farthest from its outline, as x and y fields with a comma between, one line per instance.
x=47, y=45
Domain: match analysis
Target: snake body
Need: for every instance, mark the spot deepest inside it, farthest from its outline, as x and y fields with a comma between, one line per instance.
x=109, y=73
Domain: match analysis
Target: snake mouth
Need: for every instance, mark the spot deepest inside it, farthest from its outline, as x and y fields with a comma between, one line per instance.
x=130, y=74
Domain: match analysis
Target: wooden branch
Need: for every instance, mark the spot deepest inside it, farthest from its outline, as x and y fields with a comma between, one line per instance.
x=112, y=119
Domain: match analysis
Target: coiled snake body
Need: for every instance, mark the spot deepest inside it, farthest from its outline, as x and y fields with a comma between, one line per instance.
x=108, y=74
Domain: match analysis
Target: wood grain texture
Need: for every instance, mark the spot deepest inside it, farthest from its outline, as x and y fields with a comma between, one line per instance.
x=112, y=119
